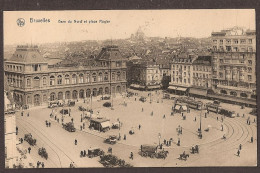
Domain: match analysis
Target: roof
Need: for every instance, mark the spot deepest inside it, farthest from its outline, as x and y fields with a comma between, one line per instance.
x=27, y=54
x=110, y=53
x=99, y=120
x=203, y=60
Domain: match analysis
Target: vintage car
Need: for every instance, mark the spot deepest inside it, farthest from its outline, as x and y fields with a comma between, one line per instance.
x=153, y=151
x=53, y=104
x=105, y=98
x=28, y=138
x=42, y=152
x=64, y=111
x=94, y=152
x=111, y=139
x=69, y=127
x=81, y=108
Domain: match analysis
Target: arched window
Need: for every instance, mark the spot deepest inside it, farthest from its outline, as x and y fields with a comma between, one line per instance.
x=74, y=94
x=81, y=78
x=106, y=76
x=52, y=80
x=94, y=77
x=67, y=95
x=60, y=95
x=243, y=95
x=59, y=80
x=118, y=89
x=100, y=77
x=118, y=76
x=52, y=96
x=100, y=91
x=74, y=79
x=88, y=93
x=87, y=78
x=36, y=81
x=233, y=93
x=67, y=79
x=28, y=82
x=124, y=76
x=94, y=92
x=106, y=90
x=29, y=101
x=223, y=91
x=113, y=76
x=44, y=81
x=81, y=94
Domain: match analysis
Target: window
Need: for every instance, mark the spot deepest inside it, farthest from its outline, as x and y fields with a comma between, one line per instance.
x=235, y=41
x=59, y=80
x=221, y=60
x=250, y=41
x=184, y=74
x=250, y=62
x=87, y=78
x=81, y=78
x=52, y=80
x=28, y=82
x=228, y=41
x=113, y=76
x=228, y=48
x=74, y=79
x=220, y=41
x=117, y=64
x=220, y=74
x=250, y=49
x=100, y=77
x=118, y=76
x=249, y=78
x=185, y=67
x=67, y=79
x=106, y=76
x=215, y=41
x=94, y=77
x=242, y=41
x=184, y=80
x=235, y=49
x=249, y=70
x=44, y=82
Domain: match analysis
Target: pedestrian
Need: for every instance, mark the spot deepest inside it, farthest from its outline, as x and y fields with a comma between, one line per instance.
x=29, y=150
x=139, y=126
x=16, y=130
x=237, y=114
x=164, y=116
x=81, y=154
x=205, y=115
x=167, y=143
x=38, y=163
x=55, y=117
x=240, y=146
x=42, y=164
x=164, y=141
x=58, y=120
x=179, y=142
x=28, y=114
x=152, y=113
x=71, y=119
x=80, y=127
x=131, y=155
x=181, y=130
x=243, y=115
x=22, y=113
x=49, y=124
x=195, y=119
x=222, y=127
x=124, y=137
x=217, y=118
x=249, y=122
x=252, y=139
x=76, y=142
x=83, y=125
x=21, y=140
x=84, y=153
x=135, y=99
x=142, y=109
x=238, y=153
x=69, y=114
x=182, y=114
x=170, y=142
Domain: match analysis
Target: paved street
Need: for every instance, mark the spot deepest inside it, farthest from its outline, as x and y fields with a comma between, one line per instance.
x=214, y=151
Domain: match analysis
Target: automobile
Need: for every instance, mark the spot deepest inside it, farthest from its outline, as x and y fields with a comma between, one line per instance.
x=107, y=104
x=105, y=98
x=142, y=99
x=28, y=138
x=94, y=152
x=111, y=139
x=153, y=151
x=69, y=127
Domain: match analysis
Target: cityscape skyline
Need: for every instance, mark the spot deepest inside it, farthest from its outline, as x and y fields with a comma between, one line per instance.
x=184, y=23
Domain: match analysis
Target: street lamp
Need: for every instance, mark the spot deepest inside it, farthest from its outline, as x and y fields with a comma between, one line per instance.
x=159, y=136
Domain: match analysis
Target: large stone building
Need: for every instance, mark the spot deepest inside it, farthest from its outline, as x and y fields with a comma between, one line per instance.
x=34, y=82
x=144, y=75
x=181, y=74
x=234, y=62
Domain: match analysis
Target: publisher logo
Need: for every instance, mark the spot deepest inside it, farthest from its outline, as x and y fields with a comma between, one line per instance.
x=20, y=22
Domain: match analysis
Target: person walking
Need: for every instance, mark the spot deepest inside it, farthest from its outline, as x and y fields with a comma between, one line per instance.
x=217, y=118
x=71, y=119
x=139, y=126
x=142, y=109
x=84, y=153
x=132, y=156
x=28, y=114
x=22, y=113
x=164, y=116
x=38, y=164
x=240, y=146
x=124, y=137
x=238, y=153
x=29, y=150
x=76, y=141
x=252, y=139
x=49, y=124
x=42, y=164
x=16, y=130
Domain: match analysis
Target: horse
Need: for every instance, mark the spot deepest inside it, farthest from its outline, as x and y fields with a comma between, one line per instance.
x=184, y=156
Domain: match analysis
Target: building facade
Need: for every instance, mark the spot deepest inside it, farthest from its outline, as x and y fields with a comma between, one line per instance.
x=34, y=82
x=145, y=75
x=181, y=74
x=234, y=62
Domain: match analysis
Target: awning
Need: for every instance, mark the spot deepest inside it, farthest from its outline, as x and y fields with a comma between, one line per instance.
x=172, y=87
x=153, y=87
x=105, y=124
x=143, y=87
x=177, y=107
x=198, y=91
x=181, y=89
x=184, y=108
x=135, y=86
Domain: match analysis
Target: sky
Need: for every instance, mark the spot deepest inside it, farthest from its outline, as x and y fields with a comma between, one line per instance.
x=122, y=23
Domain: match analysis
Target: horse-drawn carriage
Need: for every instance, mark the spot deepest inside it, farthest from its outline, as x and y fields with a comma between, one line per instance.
x=43, y=153
x=153, y=151
x=69, y=127
x=94, y=152
x=194, y=149
x=184, y=156
x=28, y=138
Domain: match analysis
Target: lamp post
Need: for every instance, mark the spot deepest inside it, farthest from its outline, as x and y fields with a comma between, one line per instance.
x=159, y=136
